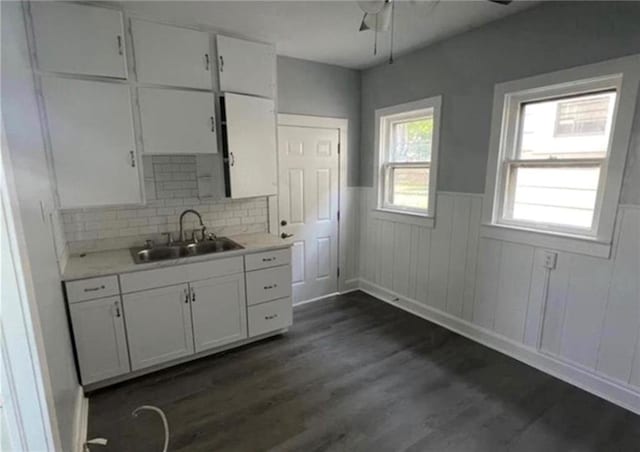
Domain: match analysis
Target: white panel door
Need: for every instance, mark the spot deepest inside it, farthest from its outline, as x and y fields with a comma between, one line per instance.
x=101, y=344
x=92, y=142
x=219, y=311
x=158, y=325
x=308, y=206
x=168, y=55
x=79, y=39
x=251, y=145
x=246, y=67
x=177, y=121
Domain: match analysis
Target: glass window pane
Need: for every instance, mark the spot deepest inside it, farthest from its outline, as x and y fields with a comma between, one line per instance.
x=553, y=195
x=410, y=187
x=411, y=140
x=571, y=127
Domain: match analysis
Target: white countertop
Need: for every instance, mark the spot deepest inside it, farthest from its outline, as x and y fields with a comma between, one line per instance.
x=111, y=262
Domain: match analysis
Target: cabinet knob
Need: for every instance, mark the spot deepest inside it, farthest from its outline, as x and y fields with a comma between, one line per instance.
x=284, y=235
x=283, y=222
x=221, y=63
x=119, y=39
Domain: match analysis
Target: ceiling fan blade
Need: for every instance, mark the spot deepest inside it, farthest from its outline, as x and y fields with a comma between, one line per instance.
x=363, y=25
x=501, y=2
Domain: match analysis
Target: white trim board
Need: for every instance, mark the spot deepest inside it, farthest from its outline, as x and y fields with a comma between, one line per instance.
x=81, y=421
x=595, y=384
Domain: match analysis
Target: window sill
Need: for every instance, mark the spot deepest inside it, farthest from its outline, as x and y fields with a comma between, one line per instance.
x=399, y=216
x=551, y=240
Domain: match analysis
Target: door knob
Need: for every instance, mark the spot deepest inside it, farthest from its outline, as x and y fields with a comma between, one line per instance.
x=284, y=235
x=283, y=223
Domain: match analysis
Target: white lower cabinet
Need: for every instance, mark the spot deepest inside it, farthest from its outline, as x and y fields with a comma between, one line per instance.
x=99, y=333
x=158, y=325
x=130, y=323
x=219, y=311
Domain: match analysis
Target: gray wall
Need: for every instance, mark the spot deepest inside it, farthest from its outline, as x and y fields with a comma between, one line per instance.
x=465, y=68
x=26, y=149
x=309, y=88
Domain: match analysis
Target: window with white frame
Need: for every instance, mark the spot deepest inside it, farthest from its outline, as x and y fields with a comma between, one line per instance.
x=558, y=149
x=407, y=150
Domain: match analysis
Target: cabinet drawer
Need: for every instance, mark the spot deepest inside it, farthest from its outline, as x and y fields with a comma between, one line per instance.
x=268, y=284
x=271, y=316
x=267, y=259
x=88, y=289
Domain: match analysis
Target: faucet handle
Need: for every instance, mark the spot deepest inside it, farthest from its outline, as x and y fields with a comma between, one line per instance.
x=169, y=238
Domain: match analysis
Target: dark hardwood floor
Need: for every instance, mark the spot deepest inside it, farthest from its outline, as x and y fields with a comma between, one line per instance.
x=356, y=374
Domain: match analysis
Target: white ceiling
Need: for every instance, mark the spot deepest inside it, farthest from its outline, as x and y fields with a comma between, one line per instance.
x=327, y=31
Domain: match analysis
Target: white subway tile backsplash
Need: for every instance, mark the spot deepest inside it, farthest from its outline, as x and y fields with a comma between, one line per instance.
x=171, y=186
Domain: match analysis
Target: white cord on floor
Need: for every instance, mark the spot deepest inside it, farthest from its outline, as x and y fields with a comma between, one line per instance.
x=134, y=413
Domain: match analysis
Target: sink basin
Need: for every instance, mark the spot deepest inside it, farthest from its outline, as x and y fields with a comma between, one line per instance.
x=160, y=253
x=212, y=246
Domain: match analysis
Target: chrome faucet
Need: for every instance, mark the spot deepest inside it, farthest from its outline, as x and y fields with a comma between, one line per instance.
x=196, y=213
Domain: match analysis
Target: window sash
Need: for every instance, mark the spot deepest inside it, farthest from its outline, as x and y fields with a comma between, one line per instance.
x=508, y=191
x=388, y=184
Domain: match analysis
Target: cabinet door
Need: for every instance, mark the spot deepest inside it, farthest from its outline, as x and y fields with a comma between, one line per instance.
x=98, y=330
x=219, y=311
x=92, y=141
x=79, y=39
x=251, y=146
x=158, y=325
x=177, y=122
x=246, y=67
x=168, y=55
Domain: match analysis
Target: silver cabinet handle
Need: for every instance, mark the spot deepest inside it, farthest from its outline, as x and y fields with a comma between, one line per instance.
x=119, y=38
x=272, y=286
x=206, y=62
x=268, y=259
x=232, y=159
x=284, y=235
x=193, y=296
x=117, y=305
x=270, y=317
x=221, y=63
x=93, y=289
x=186, y=296
x=132, y=154
x=213, y=124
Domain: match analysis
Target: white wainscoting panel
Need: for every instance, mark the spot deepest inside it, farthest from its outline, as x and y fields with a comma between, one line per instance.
x=584, y=313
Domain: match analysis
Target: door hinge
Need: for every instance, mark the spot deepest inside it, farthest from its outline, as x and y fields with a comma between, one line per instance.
x=338, y=215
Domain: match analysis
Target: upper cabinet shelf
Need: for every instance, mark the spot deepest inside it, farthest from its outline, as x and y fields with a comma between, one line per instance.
x=172, y=56
x=246, y=67
x=79, y=39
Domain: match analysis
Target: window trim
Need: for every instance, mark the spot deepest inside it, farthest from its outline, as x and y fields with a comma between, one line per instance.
x=622, y=74
x=383, y=117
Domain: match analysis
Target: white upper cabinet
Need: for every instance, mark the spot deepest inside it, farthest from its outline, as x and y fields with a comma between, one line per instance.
x=92, y=142
x=246, y=67
x=251, y=146
x=177, y=121
x=167, y=55
x=79, y=39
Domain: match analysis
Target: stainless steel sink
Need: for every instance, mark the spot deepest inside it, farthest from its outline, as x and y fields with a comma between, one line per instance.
x=177, y=250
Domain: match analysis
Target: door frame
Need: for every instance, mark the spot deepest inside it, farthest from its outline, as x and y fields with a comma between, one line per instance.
x=321, y=122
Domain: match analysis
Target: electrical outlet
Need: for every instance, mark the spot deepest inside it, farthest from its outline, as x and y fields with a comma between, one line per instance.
x=550, y=260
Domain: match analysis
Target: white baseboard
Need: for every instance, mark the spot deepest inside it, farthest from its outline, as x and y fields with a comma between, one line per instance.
x=313, y=300
x=80, y=421
x=598, y=385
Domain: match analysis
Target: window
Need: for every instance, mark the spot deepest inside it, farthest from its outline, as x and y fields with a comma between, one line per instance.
x=407, y=148
x=558, y=149
x=553, y=178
